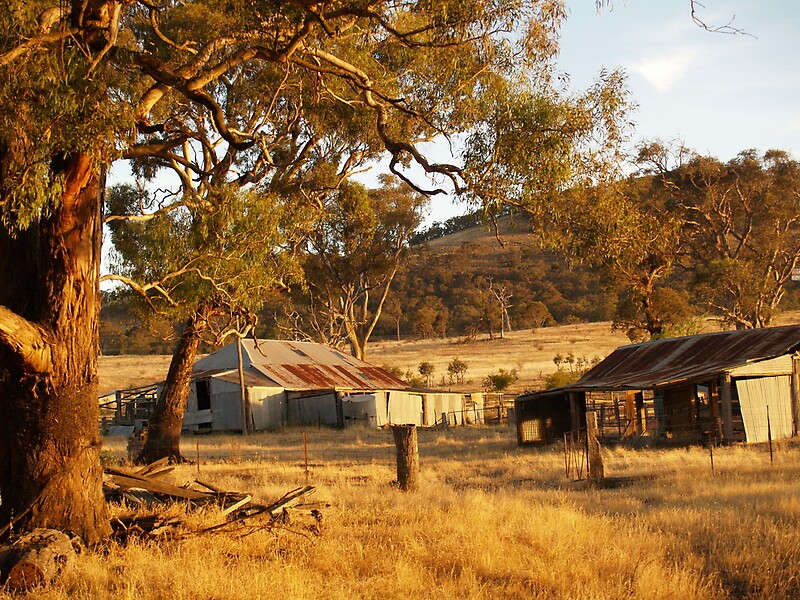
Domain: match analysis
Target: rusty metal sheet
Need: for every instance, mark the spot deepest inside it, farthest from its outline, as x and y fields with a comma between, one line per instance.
x=662, y=362
x=299, y=366
x=303, y=377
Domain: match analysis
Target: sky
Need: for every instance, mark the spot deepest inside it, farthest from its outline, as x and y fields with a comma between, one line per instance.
x=717, y=93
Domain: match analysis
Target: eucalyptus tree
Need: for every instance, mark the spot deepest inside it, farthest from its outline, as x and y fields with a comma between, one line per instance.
x=241, y=92
x=741, y=223
x=353, y=254
x=209, y=265
x=626, y=231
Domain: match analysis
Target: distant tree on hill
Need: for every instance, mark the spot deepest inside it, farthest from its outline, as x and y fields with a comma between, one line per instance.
x=626, y=232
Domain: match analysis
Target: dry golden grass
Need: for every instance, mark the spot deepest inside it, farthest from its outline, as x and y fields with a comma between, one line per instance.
x=491, y=520
x=131, y=371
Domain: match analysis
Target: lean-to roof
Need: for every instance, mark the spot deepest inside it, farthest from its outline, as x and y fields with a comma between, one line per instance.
x=663, y=362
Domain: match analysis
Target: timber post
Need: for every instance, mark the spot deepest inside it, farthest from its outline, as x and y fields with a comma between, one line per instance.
x=716, y=417
x=242, y=388
x=630, y=412
x=594, y=461
x=796, y=393
x=574, y=411
x=725, y=394
x=641, y=415
x=405, y=440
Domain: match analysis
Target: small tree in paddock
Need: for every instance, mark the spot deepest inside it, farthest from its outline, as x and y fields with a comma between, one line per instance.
x=426, y=369
x=456, y=370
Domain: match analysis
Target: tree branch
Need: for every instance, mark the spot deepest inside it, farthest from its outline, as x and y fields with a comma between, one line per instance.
x=32, y=43
x=25, y=340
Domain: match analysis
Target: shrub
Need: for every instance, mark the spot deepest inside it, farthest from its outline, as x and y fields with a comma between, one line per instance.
x=426, y=369
x=561, y=378
x=456, y=370
x=497, y=382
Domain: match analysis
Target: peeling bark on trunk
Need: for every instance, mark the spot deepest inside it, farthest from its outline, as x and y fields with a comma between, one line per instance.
x=50, y=473
x=164, y=429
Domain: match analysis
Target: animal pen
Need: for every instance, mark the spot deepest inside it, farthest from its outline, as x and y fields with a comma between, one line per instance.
x=721, y=387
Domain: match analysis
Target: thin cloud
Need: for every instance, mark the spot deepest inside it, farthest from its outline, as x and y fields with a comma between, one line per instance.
x=663, y=71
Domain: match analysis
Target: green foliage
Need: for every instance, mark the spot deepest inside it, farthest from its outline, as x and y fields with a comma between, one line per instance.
x=51, y=107
x=456, y=370
x=502, y=380
x=561, y=378
x=569, y=369
x=442, y=289
x=636, y=314
x=396, y=371
x=264, y=102
x=426, y=369
x=740, y=222
x=229, y=252
x=353, y=253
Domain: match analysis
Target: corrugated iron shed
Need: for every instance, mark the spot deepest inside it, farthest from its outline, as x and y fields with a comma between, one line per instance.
x=299, y=366
x=692, y=358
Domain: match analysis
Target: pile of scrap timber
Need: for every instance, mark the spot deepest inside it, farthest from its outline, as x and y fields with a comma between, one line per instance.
x=39, y=557
x=146, y=490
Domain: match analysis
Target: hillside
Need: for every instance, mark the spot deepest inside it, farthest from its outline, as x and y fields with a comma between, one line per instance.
x=529, y=351
x=449, y=285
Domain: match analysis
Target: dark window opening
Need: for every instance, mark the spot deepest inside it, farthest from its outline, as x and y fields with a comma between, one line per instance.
x=203, y=387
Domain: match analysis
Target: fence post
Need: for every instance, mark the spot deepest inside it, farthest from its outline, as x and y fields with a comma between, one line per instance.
x=796, y=394
x=405, y=440
x=725, y=396
x=594, y=469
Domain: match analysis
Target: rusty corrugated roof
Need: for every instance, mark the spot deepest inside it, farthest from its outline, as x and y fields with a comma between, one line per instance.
x=302, y=366
x=252, y=378
x=662, y=362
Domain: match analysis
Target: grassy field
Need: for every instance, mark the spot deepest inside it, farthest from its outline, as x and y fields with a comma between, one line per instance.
x=491, y=520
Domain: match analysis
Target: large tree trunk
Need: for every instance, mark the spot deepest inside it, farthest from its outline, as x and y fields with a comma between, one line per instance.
x=50, y=473
x=164, y=429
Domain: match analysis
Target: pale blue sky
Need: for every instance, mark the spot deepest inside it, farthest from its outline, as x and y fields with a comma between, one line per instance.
x=719, y=93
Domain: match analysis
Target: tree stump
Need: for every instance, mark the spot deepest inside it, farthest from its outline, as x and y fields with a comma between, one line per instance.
x=36, y=559
x=405, y=439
